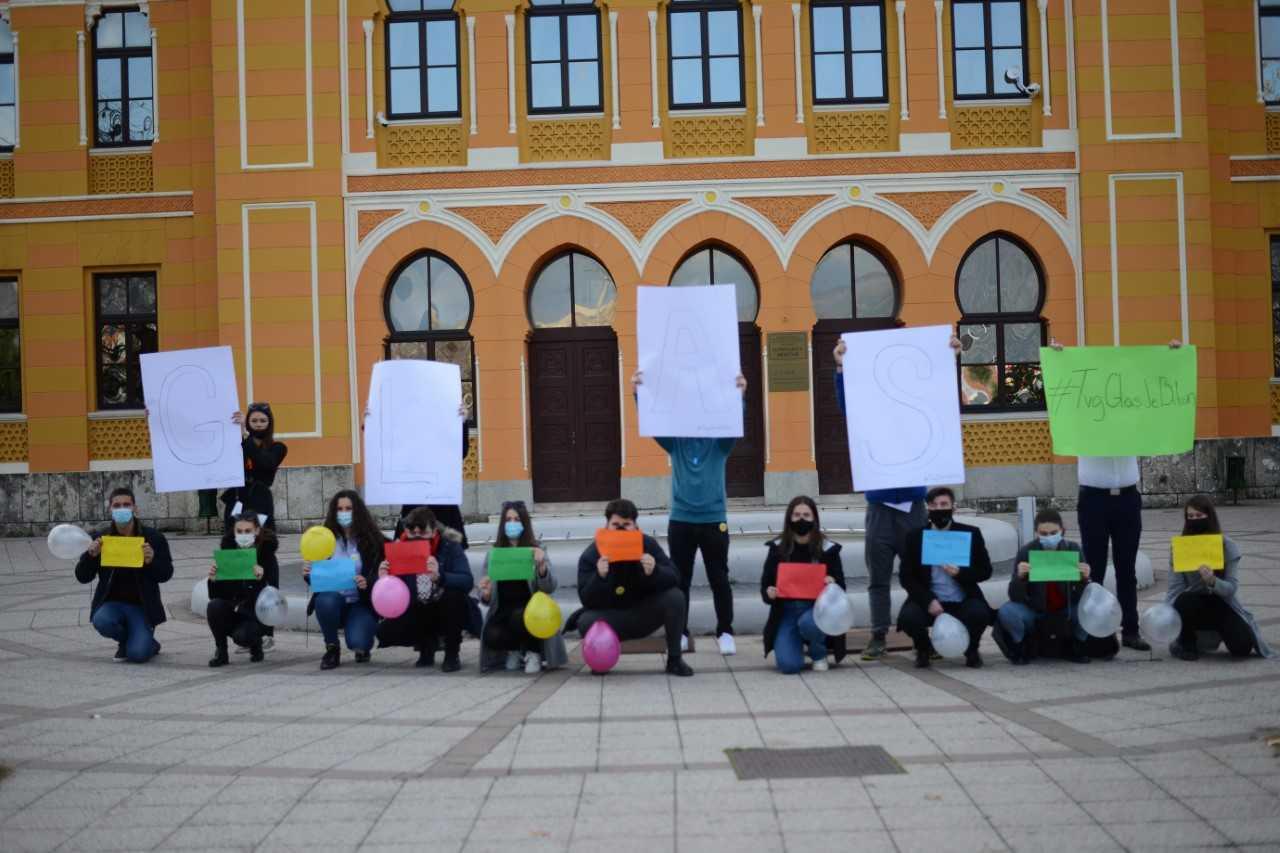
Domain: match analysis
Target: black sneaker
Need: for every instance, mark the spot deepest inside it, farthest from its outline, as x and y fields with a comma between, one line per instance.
x=1078, y=654
x=121, y=654
x=973, y=660
x=677, y=666
x=426, y=660
x=451, y=664
x=219, y=658
x=1185, y=652
x=1133, y=641
x=922, y=658
x=256, y=653
x=362, y=657
x=332, y=657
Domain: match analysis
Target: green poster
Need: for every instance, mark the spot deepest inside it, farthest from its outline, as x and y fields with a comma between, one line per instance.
x=1054, y=565
x=235, y=564
x=511, y=564
x=1120, y=401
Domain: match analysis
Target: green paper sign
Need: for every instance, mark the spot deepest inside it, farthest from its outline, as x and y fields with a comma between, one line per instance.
x=1120, y=401
x=235, y=564
x=511, y=564
x=1054, y=566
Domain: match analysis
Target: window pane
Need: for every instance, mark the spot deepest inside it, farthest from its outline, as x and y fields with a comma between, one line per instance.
x=1271, y=80
x=108, y=79
x=978, y=385
x=455, y=352
x=864, y=27
x=450, y=297
x=110, y=121
x=549, y=306
x=110, y=30
x=7, y=129
x=868, y=76
x=442, y=90
x=140, y=77
x=546, y=86
x=977, y=344
x=8, y=299
x=722, y=33
x=830, y=286
x=6, y=38
x=407, y=305
x=406, y=94
x=696, y=269
x=142, y=295
x=10, y=390
x=1022, y=342
x=442, y=42
x=111, y=341
x=1006, y=24
x=873, y=286
x=10, y=355
x=1270, y=35
x=1002, y=61
x=113, y=385
x=686, y=81
x=404, y=5
x=969, y=25
x=828, y=29
x=113, y=296
x=686, y=34
x=584, y=84
x=971, y=72
x=137, y=30
x=977, y=286
x=594, y=294
x=6, y=83
x=584, y=37
x=1023, y=385
x=726, y=84
x=828, y=76
x=144, y=339
x=1019, y=281
x=544, y=38
x=437, y=5
x=141, y=123
x=726, y=269
x=403, y=40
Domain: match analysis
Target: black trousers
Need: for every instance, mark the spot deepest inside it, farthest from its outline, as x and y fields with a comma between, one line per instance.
x=225, y=621
x=505, y=630
x=423, y=626
x=915, y=621
x=1207, y=612
x=1115, y=520
x=685, y=540
x=664, y=610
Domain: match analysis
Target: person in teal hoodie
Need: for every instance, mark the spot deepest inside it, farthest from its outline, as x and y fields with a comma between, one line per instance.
x=699, y=520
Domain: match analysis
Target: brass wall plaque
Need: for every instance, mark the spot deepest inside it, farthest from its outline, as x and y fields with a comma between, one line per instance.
x=788, y=361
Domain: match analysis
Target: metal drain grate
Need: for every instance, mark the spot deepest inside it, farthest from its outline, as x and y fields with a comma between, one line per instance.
x=812, y=763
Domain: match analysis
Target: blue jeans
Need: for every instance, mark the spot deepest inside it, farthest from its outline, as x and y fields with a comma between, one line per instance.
x=127, y=623
x=356, y=620
x=1019, y=620
x=796, y=630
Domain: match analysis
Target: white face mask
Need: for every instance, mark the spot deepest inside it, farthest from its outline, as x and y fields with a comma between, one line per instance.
x=244, y=540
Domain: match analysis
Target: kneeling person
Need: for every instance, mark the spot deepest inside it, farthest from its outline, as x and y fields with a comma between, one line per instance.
x=231, y=602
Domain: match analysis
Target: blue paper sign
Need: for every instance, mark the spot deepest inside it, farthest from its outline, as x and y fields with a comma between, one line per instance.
x=335, y=575
x=946, y=547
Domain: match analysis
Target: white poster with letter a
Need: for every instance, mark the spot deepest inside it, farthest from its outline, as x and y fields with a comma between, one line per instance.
x=687, y=338
x=412, y=434
x=902, y=408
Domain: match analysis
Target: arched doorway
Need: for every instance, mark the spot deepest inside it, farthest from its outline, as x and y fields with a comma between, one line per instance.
x=853, y=290
x=573, y=381
x=715, y=264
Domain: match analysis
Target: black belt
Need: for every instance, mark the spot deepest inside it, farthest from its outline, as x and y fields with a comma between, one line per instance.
x=1126, y=490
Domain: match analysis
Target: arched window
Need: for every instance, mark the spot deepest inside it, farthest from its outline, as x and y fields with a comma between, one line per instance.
x=1000, y=291
x=428, y=307
x=572, y=290
x=852, y=283
x=714, y=265
x=563, y=39
x=422, y=60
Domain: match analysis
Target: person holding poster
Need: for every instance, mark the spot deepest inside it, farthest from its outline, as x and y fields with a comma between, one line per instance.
x=1207, y=598
x=437, y=595
x=790, y=626
x=699, y=520
x=1037, y=610
x=230, y=612
x=634, y=598
x=947, y=588
x=126, y=601
x=360, y=541
x=263, y=456
x=505, y=642
x=448, y=515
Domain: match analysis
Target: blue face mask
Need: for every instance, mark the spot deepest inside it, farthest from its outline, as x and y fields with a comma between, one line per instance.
x=122, y=515
x=513, y=529
x=344, y=517
x=1051, y=542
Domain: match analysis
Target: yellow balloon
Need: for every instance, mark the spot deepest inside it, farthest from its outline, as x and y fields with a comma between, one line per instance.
x=317, y=544
x=542, y=616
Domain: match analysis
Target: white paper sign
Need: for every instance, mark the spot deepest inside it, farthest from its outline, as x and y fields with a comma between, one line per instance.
x=191, y=395
x=903, y=408
x=412, y=434
x=687, y=339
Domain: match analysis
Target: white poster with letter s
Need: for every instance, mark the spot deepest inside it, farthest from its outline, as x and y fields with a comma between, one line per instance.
x=902, y=408
x=412, y=434
x=190, y=396
x=687, y=342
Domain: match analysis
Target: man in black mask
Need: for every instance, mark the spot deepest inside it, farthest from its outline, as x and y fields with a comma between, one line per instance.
x=934, y=590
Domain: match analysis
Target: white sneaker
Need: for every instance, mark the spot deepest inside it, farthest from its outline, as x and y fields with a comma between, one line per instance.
x=820, y=665
x=267, y=645
x=684, y=643
x=515, y=660
x=727, y=646
x=532, y=663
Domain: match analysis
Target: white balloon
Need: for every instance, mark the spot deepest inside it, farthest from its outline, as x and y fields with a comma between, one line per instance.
x=949, y=636
x=68, y=542
x=271, y=608
x=1160, y=624
x=1100, y=614
x=832, y=612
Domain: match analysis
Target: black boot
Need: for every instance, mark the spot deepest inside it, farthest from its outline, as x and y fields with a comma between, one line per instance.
x=973, y=660
x=922, y=657
x=332, y=656
x=219, y=658
x=451, y=663
x=426, y=659
x=362, y=657
x=1077, y=654
x=255, y=652
x=677, y=666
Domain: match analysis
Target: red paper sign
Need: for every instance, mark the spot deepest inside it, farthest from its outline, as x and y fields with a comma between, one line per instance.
x=408, y=556
x=802, y=581
x=620, y=546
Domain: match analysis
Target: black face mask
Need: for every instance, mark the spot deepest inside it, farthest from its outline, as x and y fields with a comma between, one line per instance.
x=802, y=527
x=258, y=433
x=1198, y=526
x=940, y=517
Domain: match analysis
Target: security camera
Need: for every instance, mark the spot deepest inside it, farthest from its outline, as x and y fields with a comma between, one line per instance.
x=1014, y=75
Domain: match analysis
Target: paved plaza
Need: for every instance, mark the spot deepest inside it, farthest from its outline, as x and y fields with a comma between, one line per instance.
x=1143, y=752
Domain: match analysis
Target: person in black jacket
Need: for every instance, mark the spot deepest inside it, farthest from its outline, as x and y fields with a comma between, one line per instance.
x=437, y=597
x=934, y=590
x=1042, y=604
x=126, y=602
x=360, y=540
x=635, y=599
x=231, y=603
x=790, y=626
x=263, y=456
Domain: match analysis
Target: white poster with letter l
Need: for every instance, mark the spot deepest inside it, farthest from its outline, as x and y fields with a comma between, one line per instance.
x=902, y=408
x=412, y=434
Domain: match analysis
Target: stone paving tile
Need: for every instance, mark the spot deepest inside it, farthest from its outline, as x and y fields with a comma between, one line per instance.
x=975, y=839
x=1163, y=836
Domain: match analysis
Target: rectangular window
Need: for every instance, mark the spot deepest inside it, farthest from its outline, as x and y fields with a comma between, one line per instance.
x=1275, y=306
x=704, y=41
x=1269, y=49
x=422, y=62
x=124, y=105
x=564, y=73
x=125, y=311
x=848, y=51
x=8, y=90
x=988, y=38
x=10, y=348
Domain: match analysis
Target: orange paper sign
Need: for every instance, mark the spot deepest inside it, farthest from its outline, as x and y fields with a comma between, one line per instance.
x=802, y=581
x=620, y=546
x=408, y=556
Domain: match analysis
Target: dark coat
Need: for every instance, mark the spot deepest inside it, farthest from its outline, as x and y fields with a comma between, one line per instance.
x=626, y=583
x=149, y=577
x=244, y=594
x=917, y=579
x=769, y=577
x=1034, y=595
x=260, y=466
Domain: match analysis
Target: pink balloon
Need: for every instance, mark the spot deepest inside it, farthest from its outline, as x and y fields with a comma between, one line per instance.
x=601, y=647
x=390, y=597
